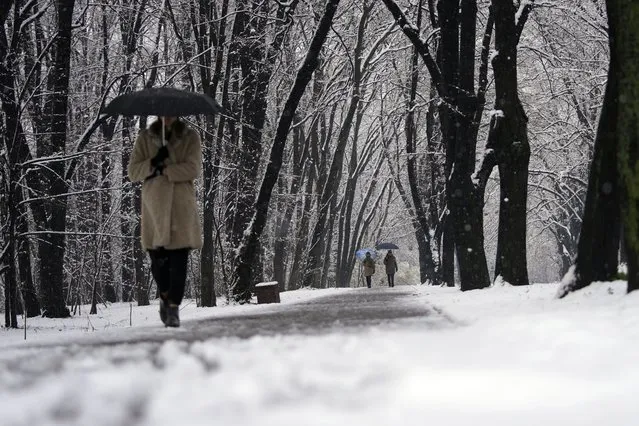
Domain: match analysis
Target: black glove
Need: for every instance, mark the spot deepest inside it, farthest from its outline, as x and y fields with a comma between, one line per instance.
x=162, y=154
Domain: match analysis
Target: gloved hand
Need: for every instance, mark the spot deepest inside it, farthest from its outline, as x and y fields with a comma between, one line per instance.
x=162, y=154
x=157, y=171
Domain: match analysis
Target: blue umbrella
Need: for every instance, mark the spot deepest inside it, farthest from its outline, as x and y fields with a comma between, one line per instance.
x=361, y=253
x=386, y=246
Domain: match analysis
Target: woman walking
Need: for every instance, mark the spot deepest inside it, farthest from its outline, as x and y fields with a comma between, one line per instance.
x=391, y=267
x=369, y=268
x=167, y=158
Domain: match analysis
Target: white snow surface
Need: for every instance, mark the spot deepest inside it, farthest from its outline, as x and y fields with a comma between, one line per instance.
x=508, y=356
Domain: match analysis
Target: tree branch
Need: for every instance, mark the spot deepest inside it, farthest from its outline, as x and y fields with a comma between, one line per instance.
x=412, y=32
x=483, y=68
x=522, y=17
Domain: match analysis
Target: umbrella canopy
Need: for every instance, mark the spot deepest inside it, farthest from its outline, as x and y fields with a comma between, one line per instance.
x=163, y=102
x=386, y=246
x=361, y=253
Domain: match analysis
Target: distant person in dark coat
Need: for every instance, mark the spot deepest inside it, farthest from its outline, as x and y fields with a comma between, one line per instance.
x=369, y=268
x=391, y=267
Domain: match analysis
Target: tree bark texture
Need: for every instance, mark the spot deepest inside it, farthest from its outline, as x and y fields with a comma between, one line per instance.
x=256, y=59
x=18, y=152
x=597, y=250
x=249, y=249
x=52, y=245
x=455, y=85
x=209, y=35
x=510, y=141
x=422, y=229
x=623, y=20
x=465, y=201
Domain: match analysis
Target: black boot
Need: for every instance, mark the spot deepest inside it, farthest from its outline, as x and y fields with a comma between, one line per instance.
x=163, y=309
x=172, y=316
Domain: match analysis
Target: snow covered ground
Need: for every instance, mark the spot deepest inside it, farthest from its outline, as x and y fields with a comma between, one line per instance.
x=502, y=356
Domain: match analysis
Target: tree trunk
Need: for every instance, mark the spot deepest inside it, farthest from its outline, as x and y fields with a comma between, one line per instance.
x=205, y=31
x=141, y=281
x=464, y=199
x=10, y=293
x=623, y=20
x=52, y=244
x=14, y=141
x=282, y=244
x=207, y=259
x=301, y=240
x=511, y=142
x=249, y=250
x=448, y=252
x=422, y=233
x=29, y=292
x=257, y=61
x=453, y=77
x=598, y=247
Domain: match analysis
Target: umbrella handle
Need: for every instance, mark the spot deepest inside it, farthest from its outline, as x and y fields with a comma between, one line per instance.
x=163, y=133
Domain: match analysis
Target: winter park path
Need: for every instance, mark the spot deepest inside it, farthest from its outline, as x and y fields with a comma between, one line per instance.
x=258, y=337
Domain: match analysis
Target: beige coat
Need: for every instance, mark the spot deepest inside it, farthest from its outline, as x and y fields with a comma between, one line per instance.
x=170, y=216
x=369, y=266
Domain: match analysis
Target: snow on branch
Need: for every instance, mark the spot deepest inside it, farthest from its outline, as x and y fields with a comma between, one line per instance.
x=522, y=16
x=412, y=32
x=24, y=20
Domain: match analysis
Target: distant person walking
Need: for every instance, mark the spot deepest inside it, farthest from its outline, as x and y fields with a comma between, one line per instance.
x=369, y=268
x=170, y=219
x=391, y=267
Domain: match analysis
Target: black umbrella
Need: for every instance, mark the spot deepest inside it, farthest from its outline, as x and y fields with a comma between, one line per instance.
x=163, y=102
x=386, y=246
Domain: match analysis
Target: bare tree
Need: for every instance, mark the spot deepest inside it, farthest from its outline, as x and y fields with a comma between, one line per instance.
x=248, y=250
x=624, y=46
x=597, y=252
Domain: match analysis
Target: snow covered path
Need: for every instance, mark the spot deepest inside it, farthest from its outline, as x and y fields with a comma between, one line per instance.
x=115, y=378
x=336, y=312
x=410, y=356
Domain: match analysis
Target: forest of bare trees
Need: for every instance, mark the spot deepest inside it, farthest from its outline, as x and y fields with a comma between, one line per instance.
x=464, y=130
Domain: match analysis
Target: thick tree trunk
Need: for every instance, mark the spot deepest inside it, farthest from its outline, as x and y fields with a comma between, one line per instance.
x=14, y=141
x=52, y=244
x=453, y=77
x=257, y=60
x=251, y=20
x=249, y=250
x=597, y=251
x=513, y=150
x=623, y=18
x=448, y=252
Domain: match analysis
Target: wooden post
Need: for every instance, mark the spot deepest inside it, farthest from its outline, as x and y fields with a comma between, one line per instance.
x=268, y=292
